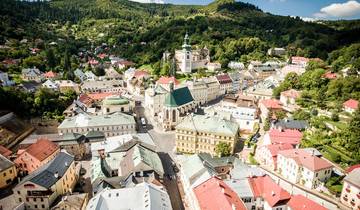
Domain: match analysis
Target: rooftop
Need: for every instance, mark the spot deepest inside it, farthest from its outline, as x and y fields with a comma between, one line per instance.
x=224, y=78
x=285, y=136
x=351, y=103
x=75, y=201
x=5, y=151
x=292, y=124
x=353, y=177
x=214, y=194
x=209, y=124
x=166, y=80
x=178, y=97
x=143, y=196
x=45, y=176
x=299, y=202
x=42, y=149
x=271, y=103
x=306, y=159
x=5, y=163
x=291, y=93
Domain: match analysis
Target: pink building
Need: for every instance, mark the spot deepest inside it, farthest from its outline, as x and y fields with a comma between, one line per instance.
x=36, y=155
x=268, y=105
x=286, y=136
x=267, y=155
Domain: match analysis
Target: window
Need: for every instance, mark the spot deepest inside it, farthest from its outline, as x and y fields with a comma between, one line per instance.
x=20, y=200
x=43, y=206
x=18, y=192
x=34, y=199
x=35, y=206
x=5, y=174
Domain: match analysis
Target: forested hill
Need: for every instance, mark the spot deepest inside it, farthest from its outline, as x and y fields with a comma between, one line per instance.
x=142, y=32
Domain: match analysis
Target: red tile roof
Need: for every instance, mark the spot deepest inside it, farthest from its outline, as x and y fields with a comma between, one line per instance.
x=102, y=55
x=275, y=148
x=299, y=202
x=86, y=99
x=291, y=93
x=271, y=103
x=287, y=136
x=306, y=159
x=351, y=168
x=93, y=62
x=266, y=188
x=50, y=74
x=224, y=78
x=5, y=151
x=140, y=73
x=125, y=63
x=101, y=96
x=214, y=194
x=329, y=75
x=351, y=103
x=42, y=149
x=167, y=80
x=299, y=59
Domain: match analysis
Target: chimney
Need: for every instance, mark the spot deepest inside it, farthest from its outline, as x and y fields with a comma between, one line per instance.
x=272, y=193
x=56, y=175
x=171, y=86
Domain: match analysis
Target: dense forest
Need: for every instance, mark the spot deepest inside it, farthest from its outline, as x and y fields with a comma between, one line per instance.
x=143, y=32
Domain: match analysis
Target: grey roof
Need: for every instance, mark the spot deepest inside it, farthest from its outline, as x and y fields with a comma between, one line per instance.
x=292, y=124
x=216, y=161
x=209, y=124
x=83, y=120
x=241, y=170
x=354, y=177
x=45, y=176
x=241, y=187
x=74, y=201
x=5, y=163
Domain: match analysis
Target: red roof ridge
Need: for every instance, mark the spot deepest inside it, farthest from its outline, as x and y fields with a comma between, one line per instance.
x=42, y=149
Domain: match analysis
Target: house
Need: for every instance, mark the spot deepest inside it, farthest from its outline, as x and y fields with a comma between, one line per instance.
x=212, y=66
x=50, y=75
x=41, y=188
x=74, y=201
x=30, y=86
x=303, y=167
x=49, y=84
x=198, y=90
x=267, y=106
x=288, y=97
x=300, y=61
x=276, y=51
x=262, y=70
x=79, y=74
x=4, y=79
x=291, y=124
x=90, y=76
x=350, y=105
x=115, y=103
x=236, y=65
x=201, y=134
x=36, y=155
x=235, y=77
x=291, y=68
x=350, y=194
x=214, y=194
x=66, y=85
x=111, y=73
x=267, y=194
x=165, y=82
x=226, y=84
x=262, y=90
x=330, y=75
x=266, y=155
x=5, y=151
x=144, y=196
x=8, y=172
x=31, y=74
x=102, y=86
x=111, y=124
x=213, y=88
x=178, y=103
x=287, y=136
x=300, y=202
x=124, y=64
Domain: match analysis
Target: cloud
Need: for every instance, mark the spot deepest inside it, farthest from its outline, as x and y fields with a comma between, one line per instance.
x=339, y=10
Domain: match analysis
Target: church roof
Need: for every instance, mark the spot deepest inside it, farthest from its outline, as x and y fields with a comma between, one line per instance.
x=178, y=97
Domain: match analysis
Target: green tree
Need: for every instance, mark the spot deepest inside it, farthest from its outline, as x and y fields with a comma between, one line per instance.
x=165, y=69
x=50, y=58
x=223, y=149
x=67, y=62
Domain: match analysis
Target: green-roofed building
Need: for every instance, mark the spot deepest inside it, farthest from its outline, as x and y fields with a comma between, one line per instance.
x=201, y=134
x=116, y=103
x=178, y=103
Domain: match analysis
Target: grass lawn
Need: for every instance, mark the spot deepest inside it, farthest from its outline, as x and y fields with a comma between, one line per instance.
x=339, y=125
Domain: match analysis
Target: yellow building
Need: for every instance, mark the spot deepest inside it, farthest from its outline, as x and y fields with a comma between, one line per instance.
x=41, y=188
x=7, y=172
x=201, y=134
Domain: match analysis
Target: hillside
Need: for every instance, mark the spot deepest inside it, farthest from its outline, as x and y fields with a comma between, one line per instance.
x=129, y=25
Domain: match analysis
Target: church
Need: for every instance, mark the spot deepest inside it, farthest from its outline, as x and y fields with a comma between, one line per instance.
x=188, y=59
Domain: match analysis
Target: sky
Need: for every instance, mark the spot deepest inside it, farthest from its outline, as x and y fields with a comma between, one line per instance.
x=311, y=9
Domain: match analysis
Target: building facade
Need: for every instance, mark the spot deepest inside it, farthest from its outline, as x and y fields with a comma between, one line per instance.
x=350, y=194
x=8, y=172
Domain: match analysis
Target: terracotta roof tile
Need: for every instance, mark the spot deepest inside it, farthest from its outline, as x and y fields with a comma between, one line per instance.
x=351, y=103
x=286, y=136
x=167, y=80
x=291, y=93
x=5, y=151
x=266, y=188
x=42, y=149
x=351, y=168
x=214, y=194
x=299, y=202
x=271, y=103
x=306, y=159
x=224, y=78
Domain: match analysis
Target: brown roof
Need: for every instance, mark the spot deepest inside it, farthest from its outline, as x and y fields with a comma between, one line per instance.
x=224, y=79
x=5, y=151
x=42, y=149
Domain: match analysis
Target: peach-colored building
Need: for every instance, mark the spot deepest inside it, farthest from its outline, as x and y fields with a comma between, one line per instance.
x=36, y=155
x=350, y=194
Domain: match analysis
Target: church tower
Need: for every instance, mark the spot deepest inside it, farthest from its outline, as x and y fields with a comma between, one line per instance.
x=186, y=65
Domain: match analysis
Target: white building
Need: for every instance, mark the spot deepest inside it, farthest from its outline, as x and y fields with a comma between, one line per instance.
x=111, y=125
x=199, y=91
x=102, y=86
x=31, y=74
x=236, y=65
x=4, y=79
x=350, y=194
x=188, y=59
x=266, y=155
x=50, y=85
x=154, y=99
x=213, y=88
x=144, y=196
x=300, y=166
x=288, y=98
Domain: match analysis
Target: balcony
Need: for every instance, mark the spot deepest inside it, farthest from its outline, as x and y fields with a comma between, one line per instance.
x=47, y=193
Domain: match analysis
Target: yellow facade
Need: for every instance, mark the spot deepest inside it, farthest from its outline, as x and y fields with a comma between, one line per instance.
x=201, y=142
x=7, y=176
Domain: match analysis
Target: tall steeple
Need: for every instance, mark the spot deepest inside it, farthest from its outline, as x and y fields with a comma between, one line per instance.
x=186, y=44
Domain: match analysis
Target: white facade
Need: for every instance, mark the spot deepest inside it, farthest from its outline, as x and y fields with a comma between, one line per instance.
x=246, y=117
x=50, y=85
x=154, y=99
x=199, y=91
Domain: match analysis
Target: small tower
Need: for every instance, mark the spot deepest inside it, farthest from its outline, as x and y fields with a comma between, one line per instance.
x=186, y=65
